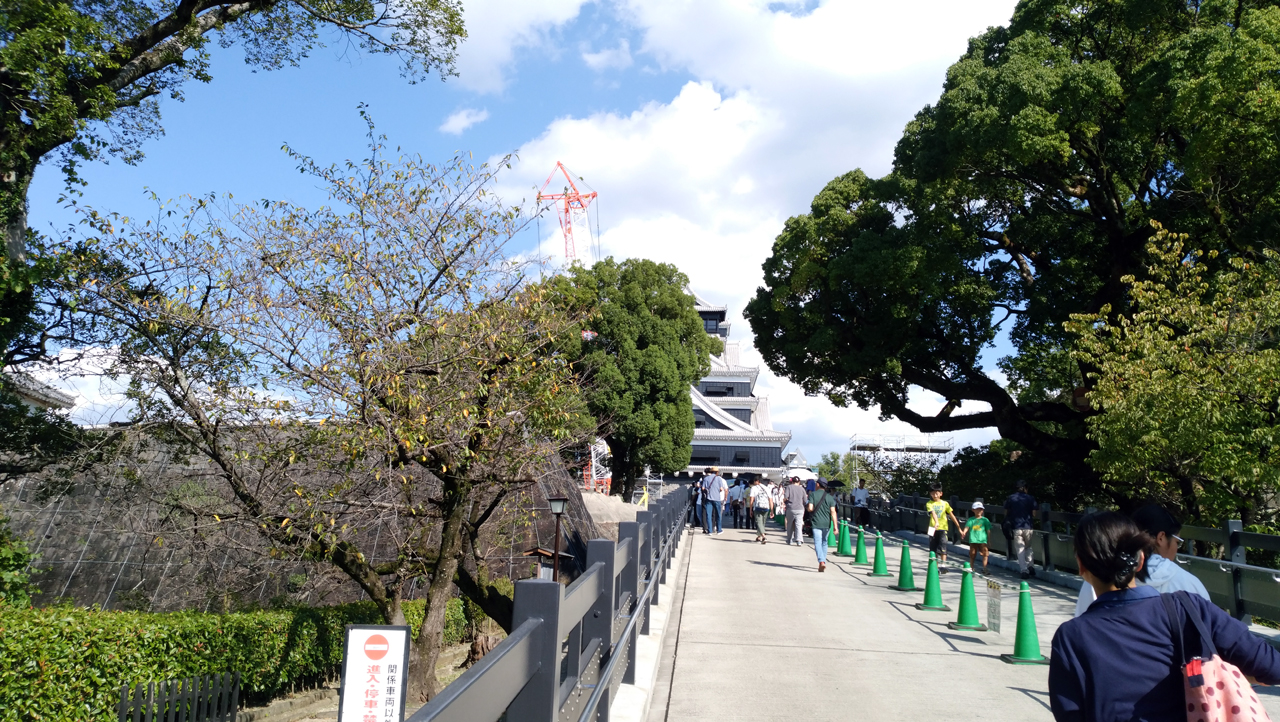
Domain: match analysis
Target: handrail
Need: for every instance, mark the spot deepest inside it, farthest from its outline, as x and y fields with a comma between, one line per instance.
x=522, y=676
x=606, y=674
x=445, y=706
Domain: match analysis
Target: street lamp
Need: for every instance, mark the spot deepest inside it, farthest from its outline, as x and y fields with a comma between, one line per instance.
x=558, y=505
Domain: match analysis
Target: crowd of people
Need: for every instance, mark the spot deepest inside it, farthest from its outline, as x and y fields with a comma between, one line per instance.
x=1145, y=639
x=809, y=509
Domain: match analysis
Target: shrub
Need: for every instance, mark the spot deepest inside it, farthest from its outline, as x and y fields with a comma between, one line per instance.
x=15, y=580
x=65, y=663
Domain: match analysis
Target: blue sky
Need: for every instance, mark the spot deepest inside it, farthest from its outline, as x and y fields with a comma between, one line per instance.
x=703, y=124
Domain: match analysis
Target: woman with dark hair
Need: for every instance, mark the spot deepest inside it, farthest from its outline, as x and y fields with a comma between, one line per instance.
x=1118, y=660
x=1161, y=570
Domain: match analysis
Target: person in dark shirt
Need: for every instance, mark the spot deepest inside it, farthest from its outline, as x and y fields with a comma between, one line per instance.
x=1019, y=509
x=823, y=507
x=1118, y=660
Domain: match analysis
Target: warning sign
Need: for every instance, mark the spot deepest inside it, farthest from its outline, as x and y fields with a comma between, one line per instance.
x=375, y=663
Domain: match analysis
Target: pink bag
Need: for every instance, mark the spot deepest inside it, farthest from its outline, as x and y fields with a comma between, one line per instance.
x=1215, y=690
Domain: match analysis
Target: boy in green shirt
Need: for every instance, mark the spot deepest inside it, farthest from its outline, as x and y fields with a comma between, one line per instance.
x=976, y=528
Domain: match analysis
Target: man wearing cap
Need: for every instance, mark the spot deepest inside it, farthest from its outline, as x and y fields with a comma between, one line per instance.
x=796, y=500
x=1019, y=509
x=714, y=490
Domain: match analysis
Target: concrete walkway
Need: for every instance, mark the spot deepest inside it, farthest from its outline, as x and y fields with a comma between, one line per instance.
x=761, y=635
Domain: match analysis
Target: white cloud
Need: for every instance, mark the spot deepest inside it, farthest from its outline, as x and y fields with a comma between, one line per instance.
x=782, y=103
x=497, y=29
x=610, y=58
x=463, y=119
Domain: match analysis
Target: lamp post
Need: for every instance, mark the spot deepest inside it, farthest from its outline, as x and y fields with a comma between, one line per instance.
x=558, y=505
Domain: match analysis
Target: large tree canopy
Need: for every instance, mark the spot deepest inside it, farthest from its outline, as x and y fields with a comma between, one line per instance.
x=1025, y=195
x=645, y=346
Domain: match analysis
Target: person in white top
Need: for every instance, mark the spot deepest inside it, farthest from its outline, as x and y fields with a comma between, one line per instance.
x=862, y=514
x=760, y=500
x=714, y=492
x=1161, y=571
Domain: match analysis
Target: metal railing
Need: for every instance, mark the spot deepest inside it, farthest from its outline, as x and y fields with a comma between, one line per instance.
x=1240, y=588
x=571, y=647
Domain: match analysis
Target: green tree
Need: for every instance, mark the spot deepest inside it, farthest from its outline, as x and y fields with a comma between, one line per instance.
x=1023, y=196
x=374, y=374
x=645, y=346
x=1188, y=384
x=83, y=77
x=15, y=559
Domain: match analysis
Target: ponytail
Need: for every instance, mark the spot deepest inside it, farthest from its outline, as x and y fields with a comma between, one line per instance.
x=1111, y=547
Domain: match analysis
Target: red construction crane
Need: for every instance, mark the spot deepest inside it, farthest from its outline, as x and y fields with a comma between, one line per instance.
x=569, y=202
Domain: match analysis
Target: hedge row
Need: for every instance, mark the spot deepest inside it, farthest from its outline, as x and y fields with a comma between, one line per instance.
x=63, y=663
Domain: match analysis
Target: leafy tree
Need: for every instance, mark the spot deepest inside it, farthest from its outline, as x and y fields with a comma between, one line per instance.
x=15, y=559
x=359, y=385
x=1023, y=196
x=646, y=347
x=1188, y=384
x=83, y=77
x=991, y=472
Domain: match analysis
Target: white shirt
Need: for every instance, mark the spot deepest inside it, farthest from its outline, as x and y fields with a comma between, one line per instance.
x=735, y=493
x=860, y=496
x=760, y=497
x=1165, y=576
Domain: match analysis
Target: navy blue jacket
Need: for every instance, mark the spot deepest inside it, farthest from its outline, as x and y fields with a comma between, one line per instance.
x=1116, y=661
x=1018, y=508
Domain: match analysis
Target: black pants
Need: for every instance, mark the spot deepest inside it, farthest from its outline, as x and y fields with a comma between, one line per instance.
x=939, y=541
x=738, y=521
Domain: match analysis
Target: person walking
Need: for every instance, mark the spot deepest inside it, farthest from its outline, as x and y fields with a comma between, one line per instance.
x=977, y=528
x=695, y=504
x=1161, y=570
x=714, y=490
x=761, y=502
x=823, y=507
x=1019, y=509
x=1124, y=658
x=736, y=495
x=796, y=500
x=939, y=512
x=861, y=510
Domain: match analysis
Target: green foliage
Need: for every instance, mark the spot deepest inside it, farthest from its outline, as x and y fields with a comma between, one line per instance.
x=649, y=347
x=1188, y=385
x=1022, y=197
x=62, y=663
x=991, y=472
x=15, y=558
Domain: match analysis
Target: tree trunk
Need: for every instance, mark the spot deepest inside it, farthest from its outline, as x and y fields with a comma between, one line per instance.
x=621, y=468
x=15, y=181
x=426, y=648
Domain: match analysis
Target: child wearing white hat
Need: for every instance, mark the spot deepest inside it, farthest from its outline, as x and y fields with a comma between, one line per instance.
x=976, y=528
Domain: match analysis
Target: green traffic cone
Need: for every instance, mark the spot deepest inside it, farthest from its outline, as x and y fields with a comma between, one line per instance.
x=1026, y=642
x=846, y=549
x=933, y=588
x=779, y=519
x=880, y=569
x=906, y=578
x=860, y=557
x=831, y=537
x=967, y=617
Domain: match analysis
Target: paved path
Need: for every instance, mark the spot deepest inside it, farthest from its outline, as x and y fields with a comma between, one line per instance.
x=763, y=636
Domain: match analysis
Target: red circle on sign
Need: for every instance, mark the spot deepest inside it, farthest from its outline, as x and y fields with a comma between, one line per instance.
x=376, y=647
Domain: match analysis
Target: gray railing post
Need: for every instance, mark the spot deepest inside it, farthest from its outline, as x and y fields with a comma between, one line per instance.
x=649, y=525
x=539, y=599
x=630, y=576
x=1236, y=555
x=953, y=535
x=665, y=564
x=1046, y=526
x=598, y=624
